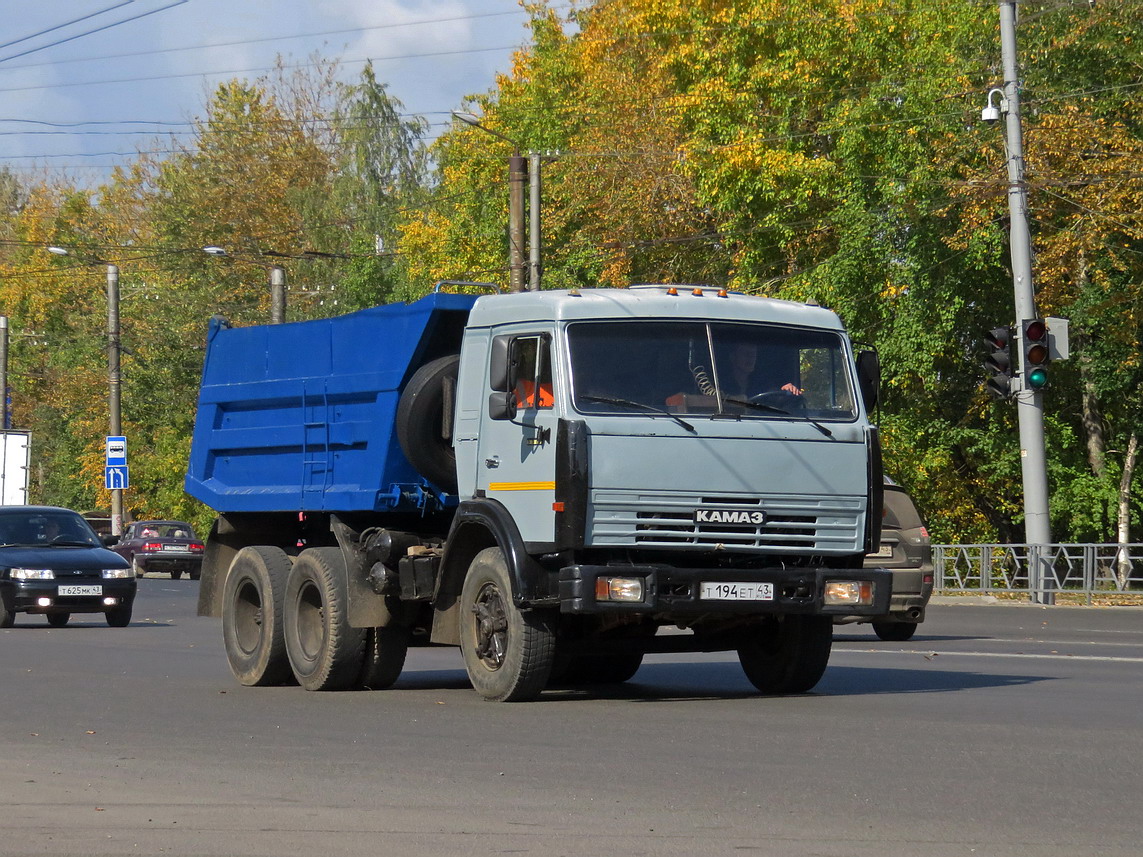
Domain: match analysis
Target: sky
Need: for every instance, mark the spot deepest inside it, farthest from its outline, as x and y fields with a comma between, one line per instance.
x=85, y=84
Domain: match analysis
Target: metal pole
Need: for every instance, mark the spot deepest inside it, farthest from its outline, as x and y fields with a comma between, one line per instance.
x=113, y=381
x=6, y=421
x=534, y=222
x=1029, y=403
x=277, y=294
x=517, y=177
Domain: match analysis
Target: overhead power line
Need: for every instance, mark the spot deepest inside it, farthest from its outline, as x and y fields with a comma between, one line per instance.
x=96, y=30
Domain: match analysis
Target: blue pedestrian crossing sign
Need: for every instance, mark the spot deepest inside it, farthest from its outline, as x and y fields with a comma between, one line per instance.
x=116, y=477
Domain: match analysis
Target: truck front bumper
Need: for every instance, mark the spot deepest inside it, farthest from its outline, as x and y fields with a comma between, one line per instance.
x=655, y=589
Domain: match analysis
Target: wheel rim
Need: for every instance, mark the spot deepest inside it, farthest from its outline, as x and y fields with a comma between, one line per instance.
x=310, y=614
x=491, y=626
x=248, y=617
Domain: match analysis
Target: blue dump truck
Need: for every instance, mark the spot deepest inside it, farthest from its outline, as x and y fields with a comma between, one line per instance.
x=557, y=482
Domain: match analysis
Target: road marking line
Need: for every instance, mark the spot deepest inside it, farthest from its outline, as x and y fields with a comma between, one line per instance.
x=930, y=653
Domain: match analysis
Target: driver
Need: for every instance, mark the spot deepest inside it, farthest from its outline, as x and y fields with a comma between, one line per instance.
x=743, y=361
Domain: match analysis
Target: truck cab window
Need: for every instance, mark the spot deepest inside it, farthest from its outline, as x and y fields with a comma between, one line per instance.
x=531, y=359
x=755, y=370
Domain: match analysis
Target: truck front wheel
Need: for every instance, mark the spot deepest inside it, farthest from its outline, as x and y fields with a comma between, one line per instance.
x=788, y=655
x=508, y=652
x=325, y=652
x=252, y=616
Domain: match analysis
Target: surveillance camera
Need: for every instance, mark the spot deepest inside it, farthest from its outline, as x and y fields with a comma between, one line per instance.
x=990, y=114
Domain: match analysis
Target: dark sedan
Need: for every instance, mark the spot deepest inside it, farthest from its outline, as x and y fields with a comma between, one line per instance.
x=53, y=563
x=163, y=546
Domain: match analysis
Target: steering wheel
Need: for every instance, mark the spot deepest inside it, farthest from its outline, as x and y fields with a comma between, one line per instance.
x=781, y=399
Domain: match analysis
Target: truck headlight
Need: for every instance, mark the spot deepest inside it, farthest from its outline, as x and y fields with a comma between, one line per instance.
x=116, y=572
x=857, y=593
x=32, y=574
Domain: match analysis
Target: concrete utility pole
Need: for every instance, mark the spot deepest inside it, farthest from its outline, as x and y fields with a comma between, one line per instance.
x=517, y=179
x=277, y=294
x=534, y=237
x=1029, y=403
x=114, y=378
x=4, y=370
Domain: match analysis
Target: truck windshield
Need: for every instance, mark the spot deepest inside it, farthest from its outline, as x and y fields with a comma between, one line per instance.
x=722, y=368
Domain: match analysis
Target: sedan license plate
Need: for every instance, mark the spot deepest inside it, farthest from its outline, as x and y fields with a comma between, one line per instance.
x=714, y=591
x=80, y=590
x=175, y=548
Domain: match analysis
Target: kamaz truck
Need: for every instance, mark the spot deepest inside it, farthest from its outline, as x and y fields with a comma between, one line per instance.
x=557, y=482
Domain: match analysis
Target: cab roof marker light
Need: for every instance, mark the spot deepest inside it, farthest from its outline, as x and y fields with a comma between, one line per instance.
x=697, y=292
x=722, y=293
x=672, y=291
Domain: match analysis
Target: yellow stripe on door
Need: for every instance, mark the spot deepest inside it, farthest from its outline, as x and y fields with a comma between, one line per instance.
x=521, y=486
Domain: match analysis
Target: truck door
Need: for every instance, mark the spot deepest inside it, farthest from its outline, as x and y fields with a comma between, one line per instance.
x=516, y=461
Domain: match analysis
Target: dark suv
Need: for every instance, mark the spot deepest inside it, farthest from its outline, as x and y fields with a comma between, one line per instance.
x=906, y=551
x=52, y=562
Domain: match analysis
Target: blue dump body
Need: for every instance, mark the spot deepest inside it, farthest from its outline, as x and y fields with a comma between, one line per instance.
x=301, y=416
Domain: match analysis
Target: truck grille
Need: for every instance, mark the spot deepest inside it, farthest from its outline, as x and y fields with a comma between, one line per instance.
x=792, y=524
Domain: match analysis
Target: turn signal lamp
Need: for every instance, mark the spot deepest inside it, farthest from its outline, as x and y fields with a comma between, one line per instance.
x=858, y=593
x=619, y=589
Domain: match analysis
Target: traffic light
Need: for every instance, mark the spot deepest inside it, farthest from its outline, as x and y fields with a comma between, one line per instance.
x=1036, y=354
x=999, y=361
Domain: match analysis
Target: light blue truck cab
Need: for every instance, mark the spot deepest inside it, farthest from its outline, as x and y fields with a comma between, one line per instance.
x=558, y=482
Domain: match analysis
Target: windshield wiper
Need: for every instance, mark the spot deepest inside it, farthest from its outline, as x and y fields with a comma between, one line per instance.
x=627, y=402
x=759, y=406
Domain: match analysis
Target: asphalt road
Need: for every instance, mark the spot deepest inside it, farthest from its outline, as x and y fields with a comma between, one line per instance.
x=997, y=730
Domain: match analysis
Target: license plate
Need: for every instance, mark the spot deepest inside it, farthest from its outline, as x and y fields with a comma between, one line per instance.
x=175, y=548
x=713, y=591
x=885, y=551
x=80, y=590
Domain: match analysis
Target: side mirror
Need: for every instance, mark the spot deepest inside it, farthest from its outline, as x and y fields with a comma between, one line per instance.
x=109, y=540
x=501, y=369
x=869, y=377
x=502, y=406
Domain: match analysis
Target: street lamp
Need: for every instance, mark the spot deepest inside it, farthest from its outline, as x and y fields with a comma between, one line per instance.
x=516, y=180
x=114, y=376
x=277, y=284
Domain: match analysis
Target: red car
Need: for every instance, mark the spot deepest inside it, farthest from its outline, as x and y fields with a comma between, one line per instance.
x=167, y=546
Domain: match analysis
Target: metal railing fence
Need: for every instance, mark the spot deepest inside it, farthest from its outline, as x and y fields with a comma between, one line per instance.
x=1040, y=571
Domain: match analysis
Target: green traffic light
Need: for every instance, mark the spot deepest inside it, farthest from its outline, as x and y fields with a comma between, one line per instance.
x=1038, y=378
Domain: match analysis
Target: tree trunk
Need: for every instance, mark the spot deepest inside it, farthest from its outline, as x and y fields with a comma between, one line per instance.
x=1123, y=564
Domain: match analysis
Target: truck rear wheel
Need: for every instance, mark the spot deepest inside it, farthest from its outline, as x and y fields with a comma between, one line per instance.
x=788, y=655
x=252, y=616
x=508, y=652
x=384, y=656
x=423, y=417
x=325, y=652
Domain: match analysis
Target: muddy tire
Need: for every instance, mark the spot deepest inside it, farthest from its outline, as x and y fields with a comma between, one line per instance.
x=383, y=657
x=252, y=616
x=508, y=652
x=325, y=652
x=788, y=655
